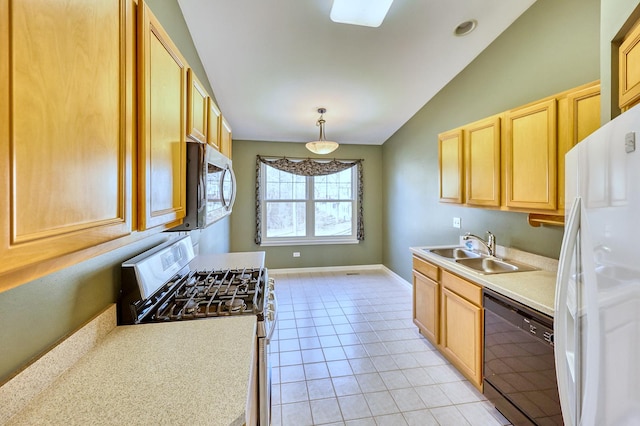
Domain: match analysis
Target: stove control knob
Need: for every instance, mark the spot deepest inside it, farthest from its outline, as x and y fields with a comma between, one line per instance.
x=270, y=315
x=272, y=284
x=271, y=296
x=270, y=308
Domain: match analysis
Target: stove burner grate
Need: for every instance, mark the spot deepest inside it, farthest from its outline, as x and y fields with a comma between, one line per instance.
x=205, y=294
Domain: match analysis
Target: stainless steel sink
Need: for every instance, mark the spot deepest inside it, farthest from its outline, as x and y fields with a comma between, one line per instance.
x=491, y=265
x=454, y=253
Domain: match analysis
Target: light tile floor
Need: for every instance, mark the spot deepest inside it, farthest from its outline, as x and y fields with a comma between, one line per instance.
x=346, y=352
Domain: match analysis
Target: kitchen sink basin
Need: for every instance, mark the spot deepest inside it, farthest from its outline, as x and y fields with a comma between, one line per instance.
x=455, y=253
x=491, y=265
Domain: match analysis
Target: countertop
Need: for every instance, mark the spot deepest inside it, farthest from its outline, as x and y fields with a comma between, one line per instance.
x=176, y=373
x=535, y=289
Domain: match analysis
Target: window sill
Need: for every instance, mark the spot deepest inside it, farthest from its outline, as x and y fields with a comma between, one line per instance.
x=318, y=242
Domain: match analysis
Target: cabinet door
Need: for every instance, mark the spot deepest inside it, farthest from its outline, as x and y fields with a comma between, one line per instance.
x=426, y=304
x=530, y=157
x=450, y=162
x=162, y=150
x=225, y=137
x=196, y=109
x=214, y=119
x=65, y=127
x=577, y=120
x=461, y=335
x=629, y=69
x=482, y=162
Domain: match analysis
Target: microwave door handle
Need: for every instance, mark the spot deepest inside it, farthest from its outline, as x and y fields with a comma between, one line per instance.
x=202, y=176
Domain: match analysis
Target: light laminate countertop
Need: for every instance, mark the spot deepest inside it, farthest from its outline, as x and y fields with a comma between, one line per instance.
x=535, y=289
x=176, y=373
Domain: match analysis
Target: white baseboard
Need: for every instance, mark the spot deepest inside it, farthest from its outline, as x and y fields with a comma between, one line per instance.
x=396, y=277
x=350, y=268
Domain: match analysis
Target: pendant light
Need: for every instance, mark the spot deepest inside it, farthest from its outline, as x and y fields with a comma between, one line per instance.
x=321, y=146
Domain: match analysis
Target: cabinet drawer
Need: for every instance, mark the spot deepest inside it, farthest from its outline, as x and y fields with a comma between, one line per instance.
x=470, y=291
x=426, y=268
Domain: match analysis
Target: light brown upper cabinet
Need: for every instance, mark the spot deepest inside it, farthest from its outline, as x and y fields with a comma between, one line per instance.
x=515, y=160
x=482, y=162
x=578, y=117
x=162, y=118
x=451, y=166
x=225, y=137
x=530, y=150
x=196, y=109
x=629, y=69
x=214, y=119
x=66, y=96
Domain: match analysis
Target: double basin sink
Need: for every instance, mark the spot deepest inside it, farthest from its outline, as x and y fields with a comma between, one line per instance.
x=480, y=263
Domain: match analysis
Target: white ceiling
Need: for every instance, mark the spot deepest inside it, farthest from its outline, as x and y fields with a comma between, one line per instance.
x=273, y=63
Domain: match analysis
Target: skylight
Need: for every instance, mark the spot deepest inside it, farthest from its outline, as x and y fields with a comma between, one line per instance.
x=368, y=13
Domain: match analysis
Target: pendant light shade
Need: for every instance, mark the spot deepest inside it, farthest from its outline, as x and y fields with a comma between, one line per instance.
x=321, y=146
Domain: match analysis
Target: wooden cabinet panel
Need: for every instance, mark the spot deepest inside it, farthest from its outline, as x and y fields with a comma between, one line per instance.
x=425, y=268
x=578, y=117
x=225, y=137
x=66, y=76
x=464, y=288
x=482, y=162
x=629, y=69
x=449, y=314
x=461, y=335
x=214, y=119
x=530, y=157
x=426, y=304
x=196, y=109
x=450, y=162
x=162, y=150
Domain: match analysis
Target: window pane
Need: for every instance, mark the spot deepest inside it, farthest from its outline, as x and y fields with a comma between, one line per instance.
x=300, y=190
x=333, y=219
x=284, y=186
x=336, y=186
x=286, y=219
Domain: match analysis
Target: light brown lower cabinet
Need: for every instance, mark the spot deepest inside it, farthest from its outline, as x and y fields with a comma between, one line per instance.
x=461, y=326
x=426, y=296
x=448, y=311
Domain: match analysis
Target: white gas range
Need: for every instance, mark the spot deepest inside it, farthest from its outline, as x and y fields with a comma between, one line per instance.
x=170, y=283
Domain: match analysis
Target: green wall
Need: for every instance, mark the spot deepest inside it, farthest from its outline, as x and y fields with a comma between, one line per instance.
x=243, y=217
x=37, y=314
x=552, y=47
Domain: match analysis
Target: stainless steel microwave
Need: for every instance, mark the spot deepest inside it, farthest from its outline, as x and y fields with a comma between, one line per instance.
x=211, y=187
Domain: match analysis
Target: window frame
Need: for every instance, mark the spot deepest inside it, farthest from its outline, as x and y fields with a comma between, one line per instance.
x=310, y=203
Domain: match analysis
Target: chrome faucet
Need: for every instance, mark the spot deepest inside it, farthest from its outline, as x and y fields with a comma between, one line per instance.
x=490, y=244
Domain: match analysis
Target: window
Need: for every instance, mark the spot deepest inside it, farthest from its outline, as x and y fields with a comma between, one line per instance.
x=298, y=209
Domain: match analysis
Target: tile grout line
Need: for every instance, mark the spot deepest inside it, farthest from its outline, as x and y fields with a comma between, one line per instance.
x=366, y=296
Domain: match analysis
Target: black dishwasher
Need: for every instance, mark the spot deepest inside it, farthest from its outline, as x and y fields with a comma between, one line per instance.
x=519, y=366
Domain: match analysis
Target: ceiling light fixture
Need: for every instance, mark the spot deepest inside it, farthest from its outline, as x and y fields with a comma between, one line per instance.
x=321, y=146
x=465, y=28
x=368, y=13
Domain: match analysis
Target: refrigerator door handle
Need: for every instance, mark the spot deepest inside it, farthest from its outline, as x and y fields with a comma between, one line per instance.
x=570, y=409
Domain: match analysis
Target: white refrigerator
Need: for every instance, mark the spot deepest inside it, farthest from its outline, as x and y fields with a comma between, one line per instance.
x=597, y=304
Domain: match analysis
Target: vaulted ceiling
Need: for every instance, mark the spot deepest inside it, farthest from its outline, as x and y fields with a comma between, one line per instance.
x=273, y=63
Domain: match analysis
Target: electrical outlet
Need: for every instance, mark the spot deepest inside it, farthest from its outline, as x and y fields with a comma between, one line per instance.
x=457, y=222
x=296, y=254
